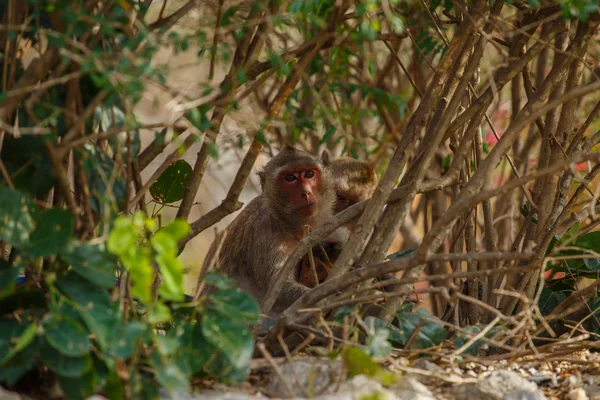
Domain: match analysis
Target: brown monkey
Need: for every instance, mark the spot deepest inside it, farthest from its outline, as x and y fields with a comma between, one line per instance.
x=297, y=192
x=354, y=181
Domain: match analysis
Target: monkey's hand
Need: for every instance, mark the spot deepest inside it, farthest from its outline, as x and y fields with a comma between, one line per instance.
x=307, y=275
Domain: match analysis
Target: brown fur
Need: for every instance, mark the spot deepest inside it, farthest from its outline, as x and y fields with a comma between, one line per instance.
x=354, y=181
x=260, y=239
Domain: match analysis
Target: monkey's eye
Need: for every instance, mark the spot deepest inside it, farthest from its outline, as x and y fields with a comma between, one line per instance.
x=290, y=178
x=309, y=174
x=340, y=197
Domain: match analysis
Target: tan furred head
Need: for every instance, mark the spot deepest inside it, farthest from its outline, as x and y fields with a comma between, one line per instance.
x=286, y=197
x=354, y=180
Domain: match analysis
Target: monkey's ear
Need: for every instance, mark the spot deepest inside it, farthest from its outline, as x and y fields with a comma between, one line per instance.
x=263, y=179
x=369, y=173
x=288, y=147
x=326, y=158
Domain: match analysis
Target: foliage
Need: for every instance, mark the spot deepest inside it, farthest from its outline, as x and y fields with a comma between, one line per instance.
x=80, y=306
x=355, y=78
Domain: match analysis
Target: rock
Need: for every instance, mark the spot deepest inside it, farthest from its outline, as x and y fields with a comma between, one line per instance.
x=592, y=391
x=412, y=389
x=306, y=376
x=423, y=363
x=8, y=395
x=499, y=385
x=577, y=394
x=207, y=394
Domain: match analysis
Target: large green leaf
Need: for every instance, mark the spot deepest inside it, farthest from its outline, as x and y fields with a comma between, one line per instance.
x=79, y=388
x=171, y=271
x=463, y=337
x=66, y=335
x=94, y=306
x=231, y=339
x=549, y=300
x=236, y=305
x=69, y=367
x=395, y=336
x=125, y=338
x=18, y=216
x=590, y=241
x=20, y=363
x=221, y=368
x=52, y=232
x=93, y=263
x=170, y=375
x=430, y=333
x=14, y=336
x=171, y=185
x=194, y=351
x=177, y=229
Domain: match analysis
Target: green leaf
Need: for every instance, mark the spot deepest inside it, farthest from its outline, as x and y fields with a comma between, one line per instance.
x=463, y=337
x=199, y=119
x=66, y=335
x=170, y=376
x=177, y=229
x=159, y=313
x=194, y=350
x=79, y=388
x=94, y=306
x=358, y=362
x=328, y=135
x=219, y=280
x=124, y=339
x=590, y=241
x=171, y=272
x=53, y=229
x=395, y=336
x=229, y=338
x=121, y=240
x=430, y=333
x=221, y=368
x=18, y=214
x=163, y=243
x=92, y=262
x=400, y=254
x=237, y=305
x=170, y=186
x=378, y=344
x=69, y=367
x=14, y=337
x=345, y=311
x=23, y=361
x=549, y=300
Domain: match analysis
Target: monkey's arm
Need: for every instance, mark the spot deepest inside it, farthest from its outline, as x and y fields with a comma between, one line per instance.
x=290, y=292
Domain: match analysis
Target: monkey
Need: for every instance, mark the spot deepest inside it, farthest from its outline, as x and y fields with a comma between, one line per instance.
x=354, y=181
x=297, y=192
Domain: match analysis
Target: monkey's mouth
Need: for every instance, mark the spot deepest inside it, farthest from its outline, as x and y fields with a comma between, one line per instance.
x=307, y=208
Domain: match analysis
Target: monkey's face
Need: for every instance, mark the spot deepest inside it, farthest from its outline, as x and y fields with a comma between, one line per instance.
x=300, y=187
